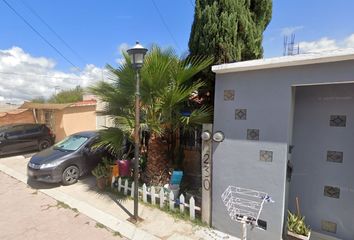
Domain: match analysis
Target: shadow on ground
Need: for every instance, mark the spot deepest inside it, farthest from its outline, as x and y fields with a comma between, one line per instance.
x=41, y=185
x=114, y=195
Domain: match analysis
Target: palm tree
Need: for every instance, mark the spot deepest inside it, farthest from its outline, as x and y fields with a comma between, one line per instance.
x=165, y=91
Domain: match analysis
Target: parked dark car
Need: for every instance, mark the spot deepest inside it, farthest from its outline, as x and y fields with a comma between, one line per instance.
x=15, y=138
x=67, y=160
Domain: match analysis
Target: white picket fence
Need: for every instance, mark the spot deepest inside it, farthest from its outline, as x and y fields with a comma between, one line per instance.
x=163, y=196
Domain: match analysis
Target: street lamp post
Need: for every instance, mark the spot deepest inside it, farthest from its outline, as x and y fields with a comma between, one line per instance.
x=137, y=54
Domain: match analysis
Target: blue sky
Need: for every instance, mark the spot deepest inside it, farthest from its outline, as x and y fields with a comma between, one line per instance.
x=313, y=19
x=96, y=30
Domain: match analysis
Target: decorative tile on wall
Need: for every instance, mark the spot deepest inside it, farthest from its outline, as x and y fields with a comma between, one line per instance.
x=332, y=192
x=328, y=226
x=240, y=114
x=266, y=156
x=338, y=121
x=252, y=134
x=229, y=95
x=335, y=156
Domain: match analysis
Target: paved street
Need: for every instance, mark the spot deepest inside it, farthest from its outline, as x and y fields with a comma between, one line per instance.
x=19, y=201
x=29, y=214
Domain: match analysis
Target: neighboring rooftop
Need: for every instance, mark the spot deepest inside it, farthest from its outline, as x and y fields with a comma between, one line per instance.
x=84, y=103
x=56, y=106
x=11, y=112
x=278, y=62
x=49, y=106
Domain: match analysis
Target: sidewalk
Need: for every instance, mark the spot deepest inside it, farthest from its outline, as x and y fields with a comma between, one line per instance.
x=102, y=208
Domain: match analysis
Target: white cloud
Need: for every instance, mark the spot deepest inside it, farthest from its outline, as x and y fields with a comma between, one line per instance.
x=24, y=77
x=323, y=45
x=16, y=56
x=326, y=44
x=120, y=60
x=123, y=47
x=349, y=41
x=290, y=30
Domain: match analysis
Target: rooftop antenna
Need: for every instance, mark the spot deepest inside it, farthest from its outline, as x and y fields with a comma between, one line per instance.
x=290, y=48
x=285, y=45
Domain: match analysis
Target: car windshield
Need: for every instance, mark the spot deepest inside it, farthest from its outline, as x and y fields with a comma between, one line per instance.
x=71, y=143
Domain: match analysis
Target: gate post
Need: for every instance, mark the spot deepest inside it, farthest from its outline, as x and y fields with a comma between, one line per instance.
x=206, y=172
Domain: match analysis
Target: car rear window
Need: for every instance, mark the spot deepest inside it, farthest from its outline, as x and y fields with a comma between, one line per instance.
x=71, y=143
x=32, y=129
x=14, y=130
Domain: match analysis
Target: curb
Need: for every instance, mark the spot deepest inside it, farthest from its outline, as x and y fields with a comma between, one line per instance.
x=126, y=229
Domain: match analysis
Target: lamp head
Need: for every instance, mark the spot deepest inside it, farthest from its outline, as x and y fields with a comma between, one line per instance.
x=137, y=54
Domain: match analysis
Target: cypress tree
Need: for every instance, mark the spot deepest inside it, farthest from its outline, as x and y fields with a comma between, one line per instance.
x=228, y=30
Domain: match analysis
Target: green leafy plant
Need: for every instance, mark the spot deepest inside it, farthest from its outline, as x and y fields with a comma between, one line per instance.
x=67, y=96
x=100, y=171
x=165, y=90
x=296, y=224
x=107, y=161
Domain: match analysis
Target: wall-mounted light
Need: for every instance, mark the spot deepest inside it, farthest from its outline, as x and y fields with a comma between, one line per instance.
x=218, y=136
x=206, y=136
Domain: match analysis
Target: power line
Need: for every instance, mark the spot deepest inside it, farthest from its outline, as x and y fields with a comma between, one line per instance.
x=165, y=24
x=52, y=30
x=39, y=34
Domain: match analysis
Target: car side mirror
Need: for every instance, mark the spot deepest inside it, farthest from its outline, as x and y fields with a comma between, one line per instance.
x=86, y=151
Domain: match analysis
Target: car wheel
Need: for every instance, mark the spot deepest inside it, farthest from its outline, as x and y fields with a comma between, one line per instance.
x=43, y=144
x=70, y=175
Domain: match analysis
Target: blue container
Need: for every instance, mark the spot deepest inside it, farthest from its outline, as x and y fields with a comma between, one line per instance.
x=176, y=178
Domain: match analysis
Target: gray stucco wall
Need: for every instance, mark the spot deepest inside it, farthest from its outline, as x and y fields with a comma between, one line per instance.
x=267, y=96
x=313, y=137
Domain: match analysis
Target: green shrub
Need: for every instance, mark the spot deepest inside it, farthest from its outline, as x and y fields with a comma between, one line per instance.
x=296, y=224
x=100, y=171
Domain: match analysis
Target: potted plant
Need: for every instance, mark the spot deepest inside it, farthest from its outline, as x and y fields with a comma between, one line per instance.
x=297, y=228
x=101, y=174
x=112, y=167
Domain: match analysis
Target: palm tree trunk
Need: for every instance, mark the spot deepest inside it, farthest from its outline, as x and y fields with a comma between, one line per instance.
x=156, y=172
